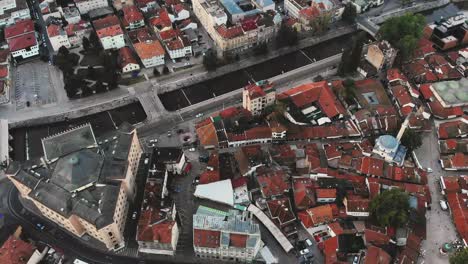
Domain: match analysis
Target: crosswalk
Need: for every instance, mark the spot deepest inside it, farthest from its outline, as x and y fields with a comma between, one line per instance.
x=129, y=252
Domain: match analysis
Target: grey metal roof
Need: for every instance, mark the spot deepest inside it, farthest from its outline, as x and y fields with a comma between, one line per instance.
x=77, y=169
x=69, y=141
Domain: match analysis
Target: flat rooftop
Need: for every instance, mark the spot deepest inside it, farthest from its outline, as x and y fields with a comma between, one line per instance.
x=451, y=93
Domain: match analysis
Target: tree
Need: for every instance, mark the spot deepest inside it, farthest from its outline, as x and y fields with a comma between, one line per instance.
x=86, y=43
x=94, y=40
x=91, y=73
x=352, y=56
x=286, y=36
x=155, y=72
x=210, y=60
x=459, y=257
x=411, y=140
x=349, y=13
x=320, y=24
x=165, y=70
x=63, y=51
x=349, y=91
x=390, y=208
x=261, y=49
x=403, y=32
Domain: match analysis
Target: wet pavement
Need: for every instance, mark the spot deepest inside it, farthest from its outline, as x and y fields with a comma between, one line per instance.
x=209, y=89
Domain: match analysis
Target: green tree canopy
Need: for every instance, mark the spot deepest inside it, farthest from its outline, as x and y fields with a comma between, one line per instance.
x=390, y=208
x=459, y=257
x=349, y=13
x=210, y=60
x=403, y=32
x=352, y=56
x=286, y=36
x=411, y=139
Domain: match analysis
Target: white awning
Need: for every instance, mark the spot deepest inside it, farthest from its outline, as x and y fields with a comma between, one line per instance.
x=220, y=191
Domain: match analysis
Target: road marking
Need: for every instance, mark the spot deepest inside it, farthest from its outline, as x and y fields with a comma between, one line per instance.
x=250, y=76
x=303, y=53
x=186, y=96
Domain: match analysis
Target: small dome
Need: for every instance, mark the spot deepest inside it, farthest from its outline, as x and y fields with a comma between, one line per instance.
x=387, y=141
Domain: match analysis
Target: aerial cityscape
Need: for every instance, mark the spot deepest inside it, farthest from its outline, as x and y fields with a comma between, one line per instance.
x=233, y=131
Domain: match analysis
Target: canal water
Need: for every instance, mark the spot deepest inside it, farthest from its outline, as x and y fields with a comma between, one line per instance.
x=203, y=91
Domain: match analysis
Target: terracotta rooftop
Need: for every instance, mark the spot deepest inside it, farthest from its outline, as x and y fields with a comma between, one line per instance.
x=375, y=255
x=108, y=26
x=131, y=15
x=126, y=57
x=375, y=238
x=319, y=92
x=231, y=32
x=15, y=251
x=273, y=182
x=22, y=41
x=19, y=28
x=325, y=193
x=206, y=238
x=3, y=71
x=280, y=210
x=149, y=49
x=316, y=215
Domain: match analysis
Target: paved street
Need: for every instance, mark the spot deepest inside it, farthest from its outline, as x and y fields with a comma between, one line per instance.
x=440, y=228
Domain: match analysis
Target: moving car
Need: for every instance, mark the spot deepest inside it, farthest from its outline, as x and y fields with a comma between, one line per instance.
x=199, y=115
x=134, y=215
x=191, y=149
x=304, y=251
x=154, y=140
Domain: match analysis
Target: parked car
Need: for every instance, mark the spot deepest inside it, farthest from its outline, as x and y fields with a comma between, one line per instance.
x=199, y=115
x=443, y=205
x=154, y=140
x=40, y=226
x=191, y=149
x=304, y=251
x=308, y=242
x=429, y=170
x=134, y=215
x=169, y=133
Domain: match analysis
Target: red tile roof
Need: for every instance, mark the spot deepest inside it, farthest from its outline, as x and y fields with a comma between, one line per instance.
x=248, y=24
x=281, y=211
x=325, y=193
x=319, y=92
x=126, y=57
x=53, y=30
x=336, y=228
x=375, y=255
x=209, y=176
x=149, y=49
x=374, y=189
x=162, y=20
x=170, y=34
x=273, y=182
x=309, y=13
x=357, y=204
x=108, y=26
x=258, y=133
x=375, y=238
x=316, y=215
x=15, y=251
x=452, y=129
x=451, y=184
x=231, y=32
x=131, y=15
x=330, y=249
x=371, y=166
x=161, y=232
x=207, y=133
x=402, y=96
x=304, y=195
x=4, y=55
x=238, y=240
x=22, y=42
x=395, y=74
x=19, y=28
x=3, y=71
x=206, y=238
x=459, y=211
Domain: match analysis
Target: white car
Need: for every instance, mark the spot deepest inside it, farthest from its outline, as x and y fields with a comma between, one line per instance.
x=308, y=242
x=429, y=170
x=304, y=251
x=191, y=149
x=146, y=161
x=443, y=205
x=134, y=215
x=154, y=140
x=199, y=115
